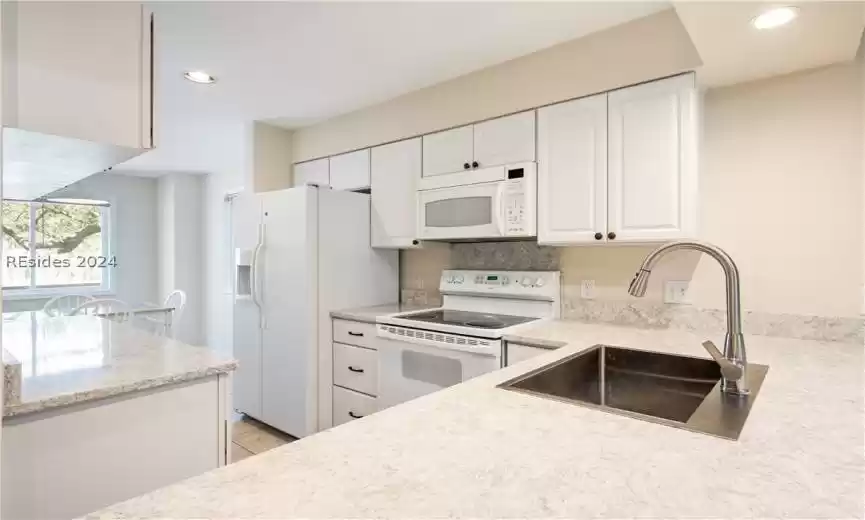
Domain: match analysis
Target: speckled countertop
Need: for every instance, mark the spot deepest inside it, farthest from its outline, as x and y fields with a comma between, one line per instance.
x=369, y=314
x=72, y=359
x=477, y=451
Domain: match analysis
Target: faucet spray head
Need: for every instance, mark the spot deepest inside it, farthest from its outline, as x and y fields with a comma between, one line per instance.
x=639, y=283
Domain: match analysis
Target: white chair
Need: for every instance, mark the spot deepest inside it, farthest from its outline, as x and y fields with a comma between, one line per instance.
x=115, y=309
x=165, y=324
x=177, y=300
x=64, y=305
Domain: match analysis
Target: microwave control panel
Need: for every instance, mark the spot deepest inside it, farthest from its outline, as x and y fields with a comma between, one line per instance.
x=517, y=198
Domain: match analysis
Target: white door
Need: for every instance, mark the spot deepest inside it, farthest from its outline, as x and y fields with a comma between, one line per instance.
x=350, y=171
x=245, y=232
x=652, y=161
x=288, y=294
x=448, y=152
x=572, y=171
x=394, y=174
x=312, y=172
x=505, y=140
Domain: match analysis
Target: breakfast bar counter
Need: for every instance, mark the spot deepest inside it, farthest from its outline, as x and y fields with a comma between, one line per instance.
x=478, y=451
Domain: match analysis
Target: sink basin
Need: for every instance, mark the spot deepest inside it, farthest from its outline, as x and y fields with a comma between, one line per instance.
x=680, y=391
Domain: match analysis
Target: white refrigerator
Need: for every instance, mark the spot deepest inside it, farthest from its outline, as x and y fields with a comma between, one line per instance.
x=300, y=253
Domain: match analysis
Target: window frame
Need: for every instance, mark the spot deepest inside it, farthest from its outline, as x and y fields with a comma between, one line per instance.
x=33, y=292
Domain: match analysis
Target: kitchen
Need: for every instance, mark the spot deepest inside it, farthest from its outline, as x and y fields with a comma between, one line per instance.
x=584, y=177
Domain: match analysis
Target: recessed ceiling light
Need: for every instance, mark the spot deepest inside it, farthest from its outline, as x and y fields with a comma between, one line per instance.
x=199, y=76
x=775, y=17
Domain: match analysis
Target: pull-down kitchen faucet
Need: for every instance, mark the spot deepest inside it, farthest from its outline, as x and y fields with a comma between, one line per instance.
x=733, y=362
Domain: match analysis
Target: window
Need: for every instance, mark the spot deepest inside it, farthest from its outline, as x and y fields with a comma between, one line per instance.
x=52, y=246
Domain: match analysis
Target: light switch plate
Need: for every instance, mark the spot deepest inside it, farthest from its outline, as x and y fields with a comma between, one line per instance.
x=587, y=289
x=676, y=292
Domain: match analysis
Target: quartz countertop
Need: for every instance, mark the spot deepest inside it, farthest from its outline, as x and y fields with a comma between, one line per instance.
x=477, y=451
x=72, y=359
x=369, y=314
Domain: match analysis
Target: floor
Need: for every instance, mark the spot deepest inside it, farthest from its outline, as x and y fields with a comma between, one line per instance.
x=250, y=437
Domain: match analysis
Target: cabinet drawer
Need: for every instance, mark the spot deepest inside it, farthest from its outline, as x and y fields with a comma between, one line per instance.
x=355, y=368
x=348, y=405
x=354, y=333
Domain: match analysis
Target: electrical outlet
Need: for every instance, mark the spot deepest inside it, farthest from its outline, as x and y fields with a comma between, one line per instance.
x=587, y=289
x=676, y=292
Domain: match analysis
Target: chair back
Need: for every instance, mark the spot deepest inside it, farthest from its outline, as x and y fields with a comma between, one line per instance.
x=64, y=305
x=176, y=299
x=118, y=310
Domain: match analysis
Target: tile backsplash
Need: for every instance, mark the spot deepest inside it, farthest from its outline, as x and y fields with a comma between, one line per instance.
x=611, y=269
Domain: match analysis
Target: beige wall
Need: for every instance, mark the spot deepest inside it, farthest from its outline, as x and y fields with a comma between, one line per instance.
x=271, y=158
x=781, y=187
x=648, y=48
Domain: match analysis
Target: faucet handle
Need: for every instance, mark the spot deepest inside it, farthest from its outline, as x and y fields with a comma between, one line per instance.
x=728, y=369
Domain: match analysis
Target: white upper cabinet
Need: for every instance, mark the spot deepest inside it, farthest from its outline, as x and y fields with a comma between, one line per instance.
x=77, y=91
x=312, y=172
x=448, y=152
x=395, y=171
x=652, y=161
x=506, y=140
x=350, y=171
x=619, y=167
x=572, y=171
x=81, y=70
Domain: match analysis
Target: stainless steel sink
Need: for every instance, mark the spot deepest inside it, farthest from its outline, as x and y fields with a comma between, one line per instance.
x=675, y=390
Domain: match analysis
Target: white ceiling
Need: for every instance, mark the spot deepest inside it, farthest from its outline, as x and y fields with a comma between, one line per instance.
x=733, y=51
x=301, y=62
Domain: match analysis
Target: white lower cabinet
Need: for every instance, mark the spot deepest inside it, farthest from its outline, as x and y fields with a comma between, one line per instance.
x=70, y=461
x=517, y=352
x=355, y=370
x=620, y=166
x=349, y=405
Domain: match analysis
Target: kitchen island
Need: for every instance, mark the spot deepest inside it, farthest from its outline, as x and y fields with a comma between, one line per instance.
x=478, y=451
x=105, y=412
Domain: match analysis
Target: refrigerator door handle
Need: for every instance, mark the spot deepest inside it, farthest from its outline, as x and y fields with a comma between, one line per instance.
x=254, y=275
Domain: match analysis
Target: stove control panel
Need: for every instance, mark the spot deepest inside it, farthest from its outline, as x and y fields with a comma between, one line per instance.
x=526, y=284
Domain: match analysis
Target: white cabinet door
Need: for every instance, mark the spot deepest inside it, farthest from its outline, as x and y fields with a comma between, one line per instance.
x=79, y=70
x=506, y=140
x=350, y=171
x=312, y=172
x=572, y=171
x=448, y=152
x=517, y=352
x=652, y=161
x=394, y=175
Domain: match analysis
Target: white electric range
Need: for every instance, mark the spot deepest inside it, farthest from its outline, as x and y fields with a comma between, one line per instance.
x=424, y=351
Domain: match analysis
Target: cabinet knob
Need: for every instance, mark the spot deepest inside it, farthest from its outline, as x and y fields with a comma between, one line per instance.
x=611, y=235
x=598, y=236
x=467, y=166
x=475, y=164
x=414, y=242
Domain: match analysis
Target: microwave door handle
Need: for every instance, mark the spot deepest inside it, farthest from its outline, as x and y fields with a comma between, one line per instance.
x=500, y=208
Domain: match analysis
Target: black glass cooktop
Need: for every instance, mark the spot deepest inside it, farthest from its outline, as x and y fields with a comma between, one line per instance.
x=478, y=320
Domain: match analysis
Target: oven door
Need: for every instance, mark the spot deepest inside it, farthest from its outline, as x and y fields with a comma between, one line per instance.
x=473, y=211
x=407, y=370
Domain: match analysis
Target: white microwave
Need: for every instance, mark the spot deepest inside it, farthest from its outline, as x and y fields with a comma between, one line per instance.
x=504, y=205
